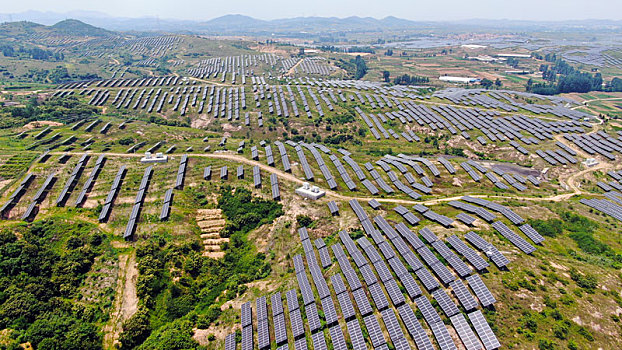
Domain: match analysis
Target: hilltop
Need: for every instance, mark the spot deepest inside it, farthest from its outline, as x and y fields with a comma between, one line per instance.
x=74, y=27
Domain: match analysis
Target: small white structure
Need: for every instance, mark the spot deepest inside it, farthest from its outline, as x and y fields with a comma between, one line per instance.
x=590, y=162
x=311, y=192
x=473, y=46
x=460, y=80
x=150, y=158
x=514, y=55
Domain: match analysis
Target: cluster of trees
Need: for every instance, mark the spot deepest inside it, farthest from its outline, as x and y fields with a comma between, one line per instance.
x=561, y=77
x=615, y=85
x=63, y=110
x=337, y=139
x=361, y=49
x=409, y=80
x=512, y=62
x=355, y=67
x=42, y=266
x=487, y=83
x=389, y=52
x=181, y=289
x=580, y=229
x=35, y=53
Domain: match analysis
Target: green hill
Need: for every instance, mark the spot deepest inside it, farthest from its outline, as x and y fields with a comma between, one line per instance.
x=74, y=27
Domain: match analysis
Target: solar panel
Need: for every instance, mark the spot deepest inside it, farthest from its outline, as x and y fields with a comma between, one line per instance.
x=263, y=334
x=429, y=283
x=368, y=275
x=313, y=318
x=397, y=298
x=246, y=316
x=443, y=338
x=412, y=261
x=478, y=262
x=428, y=311
x=465, y=218
x=491, y=251
x=446, y=304
x=280, y=331
x=277, y=303
x=247, y=338
x=469, y=339
x=362, y=303
x=318, y=340
x=338, y=284
x=386, y=250
x=464, y=296
x=297, y=326
x=383, y=271
x=330, y=314
x=428, y=235
x=351, y=277
x=356, y=335
x=414, y=328
x=230, y=343
x=305, y=289
x=300, y=344
x=347, y=310
x=428, y=256
x=442, y=272
x=292, y=300
x=481, y=291
x=262, y=308
x=325, y=257
x=378, y=296
x=483, y=330
x=532, y=233
x=392, y=325
x=337, y=338
x=374, y=331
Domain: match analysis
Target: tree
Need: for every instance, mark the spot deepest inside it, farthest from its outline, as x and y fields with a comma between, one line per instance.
x=386, y=75
x=486, y=83
x=135, y=330
x=389, y=52
x=301, y=51
x=498, y=83
x=361, y=67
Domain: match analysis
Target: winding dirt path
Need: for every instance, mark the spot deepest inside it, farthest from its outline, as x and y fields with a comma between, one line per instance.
x=571, y=181
x=125, y=301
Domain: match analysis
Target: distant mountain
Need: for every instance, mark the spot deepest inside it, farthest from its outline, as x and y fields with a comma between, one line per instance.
x=74, y=27
x=240, y=24
x=234, y=22
x=69, y=27
x=248, y=25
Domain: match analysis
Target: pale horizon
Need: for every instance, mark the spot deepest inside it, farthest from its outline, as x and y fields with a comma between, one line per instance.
x=445, y=10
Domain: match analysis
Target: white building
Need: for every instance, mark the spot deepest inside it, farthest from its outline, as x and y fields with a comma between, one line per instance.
x=514, y=55
x=460, y=80
x=590, y=162
x=311, y=192
x=150, y=158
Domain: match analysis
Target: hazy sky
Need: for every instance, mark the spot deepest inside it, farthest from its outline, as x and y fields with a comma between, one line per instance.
x=270, y=9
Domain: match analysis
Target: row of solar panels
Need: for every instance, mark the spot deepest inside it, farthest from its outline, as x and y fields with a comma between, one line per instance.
x=90, y=181
x=398, y=268
x=17, y=195
x=166, y=206
x=181, y=172
x=605, y=206
x=138, y=202
x=330, y=180
x=39, y=196
x=112, y=194
x=72, y=180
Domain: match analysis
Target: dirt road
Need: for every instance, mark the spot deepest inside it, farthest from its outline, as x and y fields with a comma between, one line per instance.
x=571, y=181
